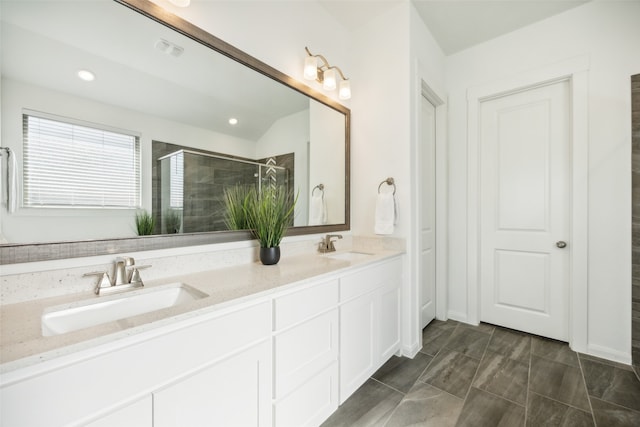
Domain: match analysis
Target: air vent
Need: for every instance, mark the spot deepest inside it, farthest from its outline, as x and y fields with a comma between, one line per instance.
x=169, y=48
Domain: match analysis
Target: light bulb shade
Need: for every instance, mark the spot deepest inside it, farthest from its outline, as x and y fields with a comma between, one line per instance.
x=344, y=91
x=310, y=68
x=329, y=82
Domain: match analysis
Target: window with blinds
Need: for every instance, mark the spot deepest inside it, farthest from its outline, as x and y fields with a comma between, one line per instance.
x=74, y=164
x=176, y=180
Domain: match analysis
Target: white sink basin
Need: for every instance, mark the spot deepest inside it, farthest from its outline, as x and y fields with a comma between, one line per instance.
x=350, y=255
x=82, y=314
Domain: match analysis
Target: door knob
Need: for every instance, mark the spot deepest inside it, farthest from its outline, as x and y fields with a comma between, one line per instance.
x=561, y=244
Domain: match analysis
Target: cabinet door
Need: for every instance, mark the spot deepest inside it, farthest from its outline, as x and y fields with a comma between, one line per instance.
x=233, y=392
x=388, y=321
x=303, y=351
x=139, y=414
x=311, y=403
x=357, y=343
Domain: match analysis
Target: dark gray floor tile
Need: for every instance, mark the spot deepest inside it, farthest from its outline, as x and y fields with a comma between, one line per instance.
x=469, y=341
x=613, y=384
x=542, y=411
x=452, y=372
x=435, y=335
x=503, y=376
x=513, y=344
x=487, y=328
x=371, y=405
x=482, y=409
x=557, y=351
x=401, y=372
x=608, y=414
x=426, y=406
x=558, y=381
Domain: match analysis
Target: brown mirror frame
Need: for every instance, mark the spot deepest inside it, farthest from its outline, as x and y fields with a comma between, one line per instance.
x=20, y=253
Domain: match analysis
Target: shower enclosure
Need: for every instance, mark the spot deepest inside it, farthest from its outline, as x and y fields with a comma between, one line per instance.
x=192, y=185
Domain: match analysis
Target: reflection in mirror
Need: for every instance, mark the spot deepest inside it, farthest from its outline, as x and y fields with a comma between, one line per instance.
x=178, y=95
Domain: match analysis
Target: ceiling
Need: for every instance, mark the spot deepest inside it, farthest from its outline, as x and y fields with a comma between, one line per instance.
x=456, y=24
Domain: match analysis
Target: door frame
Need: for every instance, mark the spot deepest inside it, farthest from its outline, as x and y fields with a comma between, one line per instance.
x=434, y=96
x=441, y=211
x=575, y=72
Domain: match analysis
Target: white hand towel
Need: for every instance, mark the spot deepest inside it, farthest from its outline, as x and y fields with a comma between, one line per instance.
x=317, y=210
x=385, y=213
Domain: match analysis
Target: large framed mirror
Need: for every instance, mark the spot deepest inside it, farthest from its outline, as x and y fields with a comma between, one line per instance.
x=171, y=90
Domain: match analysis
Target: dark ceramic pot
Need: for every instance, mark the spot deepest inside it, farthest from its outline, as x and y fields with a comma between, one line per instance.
x=270, y=256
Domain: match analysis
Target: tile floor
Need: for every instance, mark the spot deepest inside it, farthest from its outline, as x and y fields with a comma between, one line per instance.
x=492, y=376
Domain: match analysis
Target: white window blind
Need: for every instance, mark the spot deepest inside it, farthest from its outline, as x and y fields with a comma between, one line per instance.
x=72, y=164
x=176, y=181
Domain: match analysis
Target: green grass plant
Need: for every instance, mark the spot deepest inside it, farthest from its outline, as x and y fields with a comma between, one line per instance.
x=145, y=223
x=236, y=200
x=269, y=213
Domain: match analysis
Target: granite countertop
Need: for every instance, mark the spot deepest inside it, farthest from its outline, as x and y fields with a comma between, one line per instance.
x=22, y=343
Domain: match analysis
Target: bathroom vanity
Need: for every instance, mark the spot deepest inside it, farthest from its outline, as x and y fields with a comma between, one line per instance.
x=268, y=346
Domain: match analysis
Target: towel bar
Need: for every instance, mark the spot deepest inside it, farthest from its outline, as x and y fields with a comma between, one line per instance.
x=318, y=187
x=389, y=181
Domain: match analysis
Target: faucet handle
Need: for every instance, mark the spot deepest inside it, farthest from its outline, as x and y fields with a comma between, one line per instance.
x=103, y=282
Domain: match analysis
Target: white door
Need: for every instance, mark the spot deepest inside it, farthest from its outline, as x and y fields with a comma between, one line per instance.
x=524, y=210
x=427, y=174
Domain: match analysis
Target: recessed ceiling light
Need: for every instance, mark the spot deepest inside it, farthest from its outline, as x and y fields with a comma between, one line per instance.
x=86, y=75
x=233, y=121
x=180, y=3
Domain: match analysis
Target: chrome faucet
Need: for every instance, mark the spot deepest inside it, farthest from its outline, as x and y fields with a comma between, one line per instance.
x=327, y=244
x=126, y=275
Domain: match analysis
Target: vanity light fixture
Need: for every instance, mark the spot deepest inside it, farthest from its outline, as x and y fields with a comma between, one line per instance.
x=86, y=75
x=326, y=74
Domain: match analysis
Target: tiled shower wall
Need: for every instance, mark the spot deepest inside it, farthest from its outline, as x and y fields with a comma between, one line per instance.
x=635, y=221
x=204, y=181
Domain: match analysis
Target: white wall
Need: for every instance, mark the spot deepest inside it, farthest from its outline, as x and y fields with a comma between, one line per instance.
x=275, y=32
x=609, y=33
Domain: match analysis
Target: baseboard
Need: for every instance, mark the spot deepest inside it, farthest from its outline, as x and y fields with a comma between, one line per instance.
x=411, y=351
x=609, y=354
x=457, y=316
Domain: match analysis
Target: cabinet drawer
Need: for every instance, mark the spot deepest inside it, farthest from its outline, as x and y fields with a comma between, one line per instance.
x=295, y=307
x=303, y=351
x=312, y=403
x=364, y=281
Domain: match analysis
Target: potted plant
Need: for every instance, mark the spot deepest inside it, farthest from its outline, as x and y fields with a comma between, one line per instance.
x=269, y=214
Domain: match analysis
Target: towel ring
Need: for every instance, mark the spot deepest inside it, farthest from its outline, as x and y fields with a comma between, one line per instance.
x=389, y=181
x=318, y=187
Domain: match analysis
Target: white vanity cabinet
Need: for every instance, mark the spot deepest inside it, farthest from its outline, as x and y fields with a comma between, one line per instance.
x=122, y=383
x=305, y=343
x=287, y=358
x=369, y=322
